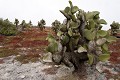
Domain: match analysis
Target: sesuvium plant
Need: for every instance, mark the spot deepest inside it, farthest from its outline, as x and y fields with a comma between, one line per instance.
x=115, y=27
x=80, y=39
x=41, y=24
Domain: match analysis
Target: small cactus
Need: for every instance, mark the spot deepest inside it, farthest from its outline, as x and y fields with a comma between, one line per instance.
x=16, y=22
x=41, y=24
x=115, y=27
x=23, y=23
x=30, y=23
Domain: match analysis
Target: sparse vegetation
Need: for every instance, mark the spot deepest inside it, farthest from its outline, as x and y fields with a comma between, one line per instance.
x=7, y=52
x=27, y=58
x=30, y=45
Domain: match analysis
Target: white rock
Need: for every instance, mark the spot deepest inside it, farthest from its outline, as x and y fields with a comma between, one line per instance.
x=18, y=55
x=47, y=57
x=81, y=49
x=56, y=65
x=111, y=79
x=22, y=76
x=101, y=41
x=1, y=46
x=99, y=67
x=6, y=75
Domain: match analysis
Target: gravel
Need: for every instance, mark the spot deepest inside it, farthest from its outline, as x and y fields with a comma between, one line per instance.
x=14, y=70
x=31, y=71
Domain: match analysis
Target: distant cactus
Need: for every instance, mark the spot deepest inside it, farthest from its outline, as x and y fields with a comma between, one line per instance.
x=115, y=27
x=41, y=24
x=23, y=23
x=16, y=22
x=30, y=23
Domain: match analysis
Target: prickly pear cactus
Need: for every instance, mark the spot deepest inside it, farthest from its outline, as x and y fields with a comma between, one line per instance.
x=115, y=27
x=16, y=22
x=23, y=23
x=81, y=38
x=41, y=24
x=56, y=26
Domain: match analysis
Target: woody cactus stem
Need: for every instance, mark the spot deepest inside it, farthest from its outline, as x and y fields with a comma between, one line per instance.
x=80, y=39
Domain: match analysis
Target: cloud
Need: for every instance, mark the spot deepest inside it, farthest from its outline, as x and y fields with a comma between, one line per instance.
x=35, y=10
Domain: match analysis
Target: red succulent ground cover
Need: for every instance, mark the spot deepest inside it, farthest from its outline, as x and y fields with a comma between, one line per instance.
x=1, y=61
x=31, y=42
x=29, y=38
x=114, y=60
x=1, y=38
x=115, y=49
x=34, y=39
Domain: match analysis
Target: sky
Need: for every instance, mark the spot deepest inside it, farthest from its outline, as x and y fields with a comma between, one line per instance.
x=35, y=10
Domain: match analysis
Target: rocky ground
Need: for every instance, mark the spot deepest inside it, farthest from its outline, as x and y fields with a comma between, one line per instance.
x=14, y=70
x=20, y=59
